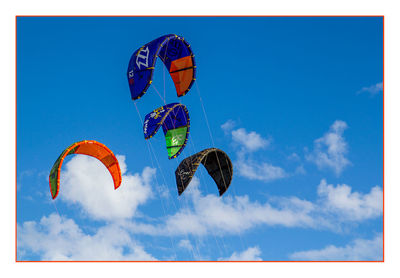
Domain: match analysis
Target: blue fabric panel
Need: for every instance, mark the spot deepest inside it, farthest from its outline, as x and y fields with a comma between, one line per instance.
x=153, y=120
x=139, y=74
x=172, y=50
x=176, y=118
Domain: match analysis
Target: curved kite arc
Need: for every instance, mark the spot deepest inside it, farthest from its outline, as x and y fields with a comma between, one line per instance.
x=90, y=148
x=175, y=122
x=177, y=56
x=217, y=164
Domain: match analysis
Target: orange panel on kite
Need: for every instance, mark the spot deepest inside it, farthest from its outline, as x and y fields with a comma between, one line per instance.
x=181, y=71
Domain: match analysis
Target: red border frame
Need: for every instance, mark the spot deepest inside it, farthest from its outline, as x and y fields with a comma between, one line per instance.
x=383, y=138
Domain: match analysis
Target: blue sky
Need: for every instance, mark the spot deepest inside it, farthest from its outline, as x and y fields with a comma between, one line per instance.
x=295, y=102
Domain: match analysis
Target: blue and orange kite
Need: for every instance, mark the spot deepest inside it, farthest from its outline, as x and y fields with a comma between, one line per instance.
x=177, y=57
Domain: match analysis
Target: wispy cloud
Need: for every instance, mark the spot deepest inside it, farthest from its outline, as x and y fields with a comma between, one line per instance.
x=234, y=215
x=249, y=141
x=185, y=244
x=357, y=250
x=56, y=238
x=250, y=254
x=259, y=171
x=210, y=214
x=228, y=126
x=331, y=149
x=300, y=170
x=244, y=140
x=245, y=143
x=107, y=204
x=293, y=157
x=348, y=205
x=372, y=90
x=59, y=238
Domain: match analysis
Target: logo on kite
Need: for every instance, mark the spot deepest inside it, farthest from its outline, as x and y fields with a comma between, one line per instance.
x=142, y=57
x=156, y=113
x=177, y=138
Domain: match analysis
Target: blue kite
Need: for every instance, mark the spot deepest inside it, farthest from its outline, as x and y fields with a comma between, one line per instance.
x=177, y=56
x=175, y=122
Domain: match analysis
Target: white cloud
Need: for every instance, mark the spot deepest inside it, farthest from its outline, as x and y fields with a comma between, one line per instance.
x=228, y=126
x=185, y=244
x=56, y=238
x=300, y=170
x=246, y=143
x=250, y=254
x=211, y=214
x=249, y=141
x=357, y=250
x=373, y=89
x=259, y=171
x=331, y=149
x=351, y=205
x=87, y=183
x=294, y=157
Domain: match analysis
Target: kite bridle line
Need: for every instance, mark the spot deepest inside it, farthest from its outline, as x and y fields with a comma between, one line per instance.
x=158, y=186
x=209, y=131
x=201, y=173
x=165, y=183
x=187, y=135
x=191, y=139
x=177, y=164
x=151, y=154
x=206, y=189
x=186, y=205
x=155, y=89
x=212, y=141
x=149, y=145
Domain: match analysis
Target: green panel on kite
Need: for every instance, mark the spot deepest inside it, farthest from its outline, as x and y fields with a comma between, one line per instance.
x=54, y=171
x=175, y=139
x=53, y=179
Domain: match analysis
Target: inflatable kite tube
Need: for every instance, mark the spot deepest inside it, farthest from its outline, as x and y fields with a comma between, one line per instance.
x=175, y=122
x=217, y=164
x=177, y=56
x=91, y=148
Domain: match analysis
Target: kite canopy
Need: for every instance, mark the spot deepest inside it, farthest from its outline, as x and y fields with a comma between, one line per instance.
x=217, y=164
x=175, y=122
x=176, y=55
x=91, y=148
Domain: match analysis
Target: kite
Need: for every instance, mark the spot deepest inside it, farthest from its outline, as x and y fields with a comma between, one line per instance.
x=217, y=164
x=177, y=57
x=91, y=148
x=175, y=122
